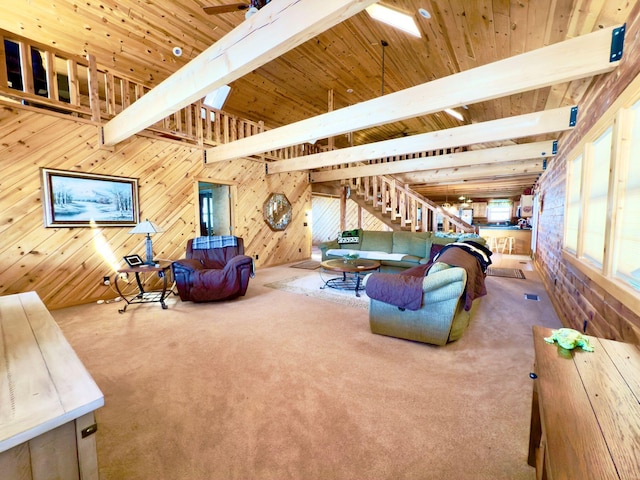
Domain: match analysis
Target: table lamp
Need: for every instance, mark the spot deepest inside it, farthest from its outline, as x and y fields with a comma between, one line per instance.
x=147, y=227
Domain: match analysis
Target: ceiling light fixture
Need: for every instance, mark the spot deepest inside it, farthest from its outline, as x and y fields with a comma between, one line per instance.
x=250, y=13
x=424, y=13
x=395, y=18
x=384, y=44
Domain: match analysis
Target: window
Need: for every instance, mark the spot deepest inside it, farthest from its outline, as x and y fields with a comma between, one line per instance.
x=499, y=211
x=602, y=215
x=627, y=255
x=596, y=187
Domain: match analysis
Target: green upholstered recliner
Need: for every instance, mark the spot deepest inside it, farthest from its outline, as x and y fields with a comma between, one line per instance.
x=441, y=318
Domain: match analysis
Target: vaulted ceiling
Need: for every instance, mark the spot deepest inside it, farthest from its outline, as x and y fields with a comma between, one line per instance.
x=343, y=66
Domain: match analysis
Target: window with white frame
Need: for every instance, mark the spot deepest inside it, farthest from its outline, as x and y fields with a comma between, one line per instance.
x=627, y=255
x=595, y=190
x=499, y=211
x=602, y=214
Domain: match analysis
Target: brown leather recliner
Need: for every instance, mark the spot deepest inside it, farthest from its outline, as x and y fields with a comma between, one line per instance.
x=214, y=269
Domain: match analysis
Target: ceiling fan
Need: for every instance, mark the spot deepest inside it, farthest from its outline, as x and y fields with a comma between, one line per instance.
x=252, y=7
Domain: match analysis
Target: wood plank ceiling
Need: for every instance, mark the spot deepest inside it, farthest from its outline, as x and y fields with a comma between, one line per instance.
x=137, y=37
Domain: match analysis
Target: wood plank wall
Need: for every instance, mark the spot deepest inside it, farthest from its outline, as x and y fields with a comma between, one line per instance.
x=326, y=218
x=63, y=264
x=577, y=297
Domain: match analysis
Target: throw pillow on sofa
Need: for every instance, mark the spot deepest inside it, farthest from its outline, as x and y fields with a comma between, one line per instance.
x=349, y=237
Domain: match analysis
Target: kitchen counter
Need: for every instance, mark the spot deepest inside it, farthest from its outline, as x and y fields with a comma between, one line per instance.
x=502, y=227
x=522, y=236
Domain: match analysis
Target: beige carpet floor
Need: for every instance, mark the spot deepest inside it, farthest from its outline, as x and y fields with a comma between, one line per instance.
x=282, y=385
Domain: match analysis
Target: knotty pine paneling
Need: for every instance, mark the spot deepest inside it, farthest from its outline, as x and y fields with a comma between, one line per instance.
x=63, y=264
x=576, y=296
x=326, y=218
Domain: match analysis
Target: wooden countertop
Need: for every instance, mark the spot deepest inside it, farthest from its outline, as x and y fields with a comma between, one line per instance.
x=590, y=410
x=43, y=383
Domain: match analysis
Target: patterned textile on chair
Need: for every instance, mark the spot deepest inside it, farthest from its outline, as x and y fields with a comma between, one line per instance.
x=215, y=268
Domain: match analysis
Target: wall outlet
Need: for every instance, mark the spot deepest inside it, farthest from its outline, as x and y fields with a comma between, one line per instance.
x=106, y=281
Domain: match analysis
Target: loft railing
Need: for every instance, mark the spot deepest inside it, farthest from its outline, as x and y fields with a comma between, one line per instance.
x=45, y=77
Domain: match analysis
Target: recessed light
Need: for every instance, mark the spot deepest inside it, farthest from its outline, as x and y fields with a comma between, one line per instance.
x=349, y=90
x=424, y=13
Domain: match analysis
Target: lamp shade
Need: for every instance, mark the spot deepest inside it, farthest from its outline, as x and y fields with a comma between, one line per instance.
x=146, y=227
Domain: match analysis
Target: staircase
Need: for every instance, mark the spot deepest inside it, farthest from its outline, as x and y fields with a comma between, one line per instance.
x=400, y=208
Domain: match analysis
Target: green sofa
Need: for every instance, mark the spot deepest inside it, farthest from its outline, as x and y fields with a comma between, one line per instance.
x=396, y=251
x=442, y=317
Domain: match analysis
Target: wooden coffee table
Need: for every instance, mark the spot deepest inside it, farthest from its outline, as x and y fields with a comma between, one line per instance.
x=350, y=271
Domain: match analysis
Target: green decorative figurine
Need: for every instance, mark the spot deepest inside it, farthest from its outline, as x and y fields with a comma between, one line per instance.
x=569, y=338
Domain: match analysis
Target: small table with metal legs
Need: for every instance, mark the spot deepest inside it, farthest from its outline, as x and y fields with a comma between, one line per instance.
x=162, y=269
x=350, y=270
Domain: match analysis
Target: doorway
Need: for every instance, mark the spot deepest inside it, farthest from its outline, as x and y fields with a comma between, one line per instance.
x=214, y=209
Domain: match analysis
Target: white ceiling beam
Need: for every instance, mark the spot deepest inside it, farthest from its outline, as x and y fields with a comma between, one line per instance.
x=538, y=123
x=479, y=172
x=579, y=57
x=277, y=28
x=485, y=156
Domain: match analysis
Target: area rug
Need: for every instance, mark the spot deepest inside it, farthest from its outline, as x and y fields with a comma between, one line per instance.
x=307, y=265
x=314, y=286
x=506, y=272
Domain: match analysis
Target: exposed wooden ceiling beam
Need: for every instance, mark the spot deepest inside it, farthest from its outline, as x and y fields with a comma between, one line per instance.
x=274, y=30
x=537, y=123
x=478, y=172
x=476, y=189
x=561, y=62
x=486, y=156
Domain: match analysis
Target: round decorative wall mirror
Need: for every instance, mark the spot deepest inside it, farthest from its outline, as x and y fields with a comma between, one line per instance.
x=277, y=211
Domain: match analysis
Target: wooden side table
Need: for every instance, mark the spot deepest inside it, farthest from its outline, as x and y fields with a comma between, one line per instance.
x=585, y=412
x=162, y=269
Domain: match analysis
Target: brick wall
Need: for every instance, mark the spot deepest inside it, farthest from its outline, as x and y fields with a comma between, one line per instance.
x=577, y=298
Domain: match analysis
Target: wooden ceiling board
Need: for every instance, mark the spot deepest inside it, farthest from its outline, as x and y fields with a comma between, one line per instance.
x=136, y=38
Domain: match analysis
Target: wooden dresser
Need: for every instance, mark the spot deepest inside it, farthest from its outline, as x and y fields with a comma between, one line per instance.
x=585, y=415
x=47, y=397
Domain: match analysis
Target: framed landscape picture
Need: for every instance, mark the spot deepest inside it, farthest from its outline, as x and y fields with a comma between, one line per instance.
x=73, y=199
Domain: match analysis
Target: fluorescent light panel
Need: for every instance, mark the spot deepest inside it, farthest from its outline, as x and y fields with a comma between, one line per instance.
x=395, y=18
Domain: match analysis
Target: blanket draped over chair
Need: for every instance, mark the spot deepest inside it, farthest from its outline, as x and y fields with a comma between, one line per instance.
x=458, y=257
x=445, y=293
x=404, y=289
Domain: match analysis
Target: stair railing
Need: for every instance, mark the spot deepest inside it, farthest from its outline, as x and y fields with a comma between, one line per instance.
x=405, y=207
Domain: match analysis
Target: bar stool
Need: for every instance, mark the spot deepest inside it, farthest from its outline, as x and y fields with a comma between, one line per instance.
x=508, y=243
x=493, y=244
